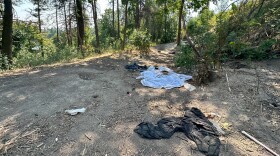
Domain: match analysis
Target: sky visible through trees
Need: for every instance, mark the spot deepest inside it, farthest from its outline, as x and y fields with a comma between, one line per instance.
x=23, y=8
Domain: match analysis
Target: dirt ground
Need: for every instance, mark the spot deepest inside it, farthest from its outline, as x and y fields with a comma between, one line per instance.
x=33, y=122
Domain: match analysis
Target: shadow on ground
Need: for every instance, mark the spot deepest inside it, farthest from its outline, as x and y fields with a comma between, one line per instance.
x=33, y=121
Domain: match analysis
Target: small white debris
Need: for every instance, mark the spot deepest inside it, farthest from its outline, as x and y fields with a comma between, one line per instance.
x=189, y=87
x=36, y=48
x=75, y=111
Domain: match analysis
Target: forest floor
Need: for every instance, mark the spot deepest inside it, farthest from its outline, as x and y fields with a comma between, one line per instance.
x=33, y=122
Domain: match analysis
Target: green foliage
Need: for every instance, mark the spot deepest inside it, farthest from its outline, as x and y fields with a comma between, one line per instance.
x=27, y=36
x=186, y=58
x=141, y=40
x=242, y=32
x=201, y=29
x=27, y=59
x=4, y=64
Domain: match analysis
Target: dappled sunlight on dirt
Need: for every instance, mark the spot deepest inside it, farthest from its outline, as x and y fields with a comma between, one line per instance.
x=165, y=108
x=7, y=125
x=33, y=106
x=34, y=72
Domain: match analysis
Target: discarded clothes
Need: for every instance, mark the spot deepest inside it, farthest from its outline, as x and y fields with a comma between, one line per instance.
x=135, y=67
x=162, y=77
x=194, y=125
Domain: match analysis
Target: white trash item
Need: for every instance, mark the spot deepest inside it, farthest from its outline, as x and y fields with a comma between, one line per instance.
x=189, y=87
x=162, y=77
x=75, y=111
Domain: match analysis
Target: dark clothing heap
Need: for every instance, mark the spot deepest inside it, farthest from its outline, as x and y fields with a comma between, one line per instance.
x=195, y=126
x=135, y=67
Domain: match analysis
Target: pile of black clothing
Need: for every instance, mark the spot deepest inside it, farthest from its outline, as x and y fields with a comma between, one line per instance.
x=135, y=67
x=195, y=126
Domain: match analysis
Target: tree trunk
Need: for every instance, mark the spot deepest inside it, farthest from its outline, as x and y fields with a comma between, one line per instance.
x=125, y=26
x=40, y=27
x=113, y=22
x=70, y=25
x=190, y=42
x=7, y=40
x=179, y=22
x=66, y=25
x=165, y=18
x=80, y=25
x=137, y=15
x=118, y=14
x=94, y=8
x=39, y=16
x=56, y=19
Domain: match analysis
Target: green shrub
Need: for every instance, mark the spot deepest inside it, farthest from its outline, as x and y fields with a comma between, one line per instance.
x=186, y=58
x=25, y=58
x=141, y=40
x=3, y=62
x=242, y=50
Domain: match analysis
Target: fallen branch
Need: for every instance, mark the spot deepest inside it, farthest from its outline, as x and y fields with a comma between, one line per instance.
x=25, y=135
x=87, y=137
x=228, y=82
x=258, y=142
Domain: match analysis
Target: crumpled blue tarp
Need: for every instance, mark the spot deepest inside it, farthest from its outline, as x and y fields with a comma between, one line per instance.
x=162, y=77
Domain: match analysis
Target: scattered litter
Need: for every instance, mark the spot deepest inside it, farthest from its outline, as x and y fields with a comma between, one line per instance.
x=162, y=77
x=258, y=142
x=75, y=111
x=135, y=67
x=128, y=93
x=189, y=87
x=56, y=139
x=194, y=125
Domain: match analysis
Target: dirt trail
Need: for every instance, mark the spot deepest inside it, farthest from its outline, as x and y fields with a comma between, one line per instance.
x=33, y=122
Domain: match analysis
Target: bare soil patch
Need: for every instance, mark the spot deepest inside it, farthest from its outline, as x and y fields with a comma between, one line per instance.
x=33, y=122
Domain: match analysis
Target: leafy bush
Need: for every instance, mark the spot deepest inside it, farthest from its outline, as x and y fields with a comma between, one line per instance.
x=168, y=36
x=3, y=62
x=186, y=58
x=25, y=58
x=243, y=50
x=141, y=40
